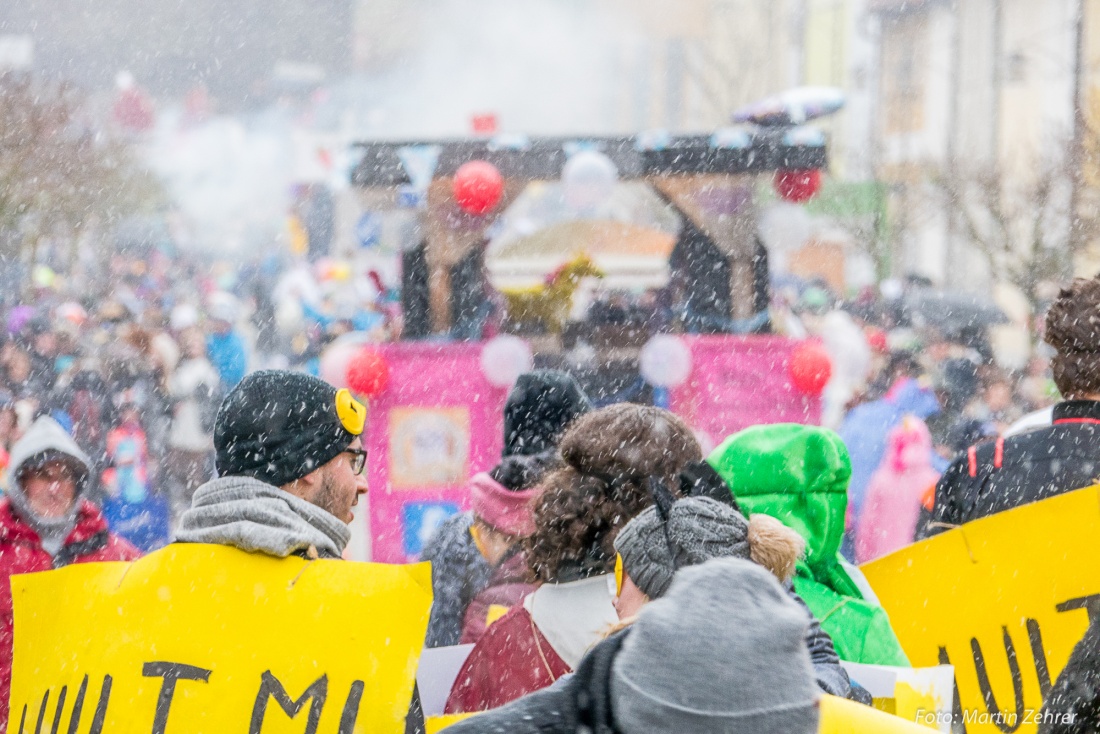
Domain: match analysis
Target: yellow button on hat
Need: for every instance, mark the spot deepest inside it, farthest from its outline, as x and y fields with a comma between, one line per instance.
x=352, y=413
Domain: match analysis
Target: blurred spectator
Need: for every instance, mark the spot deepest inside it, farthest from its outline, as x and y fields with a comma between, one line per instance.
x=130, y=505
x=196, y=391
x=892, y=506
x=224, y=343
x=997, y=404
x=1037, y=389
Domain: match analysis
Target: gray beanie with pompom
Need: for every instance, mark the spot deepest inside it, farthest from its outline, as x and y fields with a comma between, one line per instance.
x=697, y=530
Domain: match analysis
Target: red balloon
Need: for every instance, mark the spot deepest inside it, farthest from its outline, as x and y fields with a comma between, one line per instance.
x=368, y=373
x=810, y=368
x=877, y=340
x=797, y=185
x=478, y=187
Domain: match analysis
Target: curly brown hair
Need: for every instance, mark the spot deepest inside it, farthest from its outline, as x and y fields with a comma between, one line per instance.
x=1073, y=328
x=608, y=455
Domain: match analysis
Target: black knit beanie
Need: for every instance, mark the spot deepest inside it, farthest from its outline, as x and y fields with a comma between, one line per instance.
x=539, y=409
x=278, y=426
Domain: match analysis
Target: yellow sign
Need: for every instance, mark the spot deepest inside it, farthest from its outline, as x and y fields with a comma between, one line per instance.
x=838, y=716
x=210, y=638
x=1004, y=599
x=437, y=724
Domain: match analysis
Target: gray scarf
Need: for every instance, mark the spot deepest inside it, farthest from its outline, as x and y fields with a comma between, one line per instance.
x=257, y=517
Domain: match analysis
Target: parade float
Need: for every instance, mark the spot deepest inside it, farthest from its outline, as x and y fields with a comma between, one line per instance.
x=632, y=262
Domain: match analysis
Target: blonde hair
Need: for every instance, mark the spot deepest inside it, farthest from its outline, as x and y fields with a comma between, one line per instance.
x=774, y=546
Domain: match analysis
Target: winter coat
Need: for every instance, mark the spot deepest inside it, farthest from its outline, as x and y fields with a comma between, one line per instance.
x=21, y=551
x=1029, y=467
x=866, y=427
x=534, y=644
x=506, y=588
x=129, y=504
x=830, y=674
x=893, y=503
x=799, y=475
x=513, y=658
x=193, y=384
x=1073, y=704
x=580, y=704
x=459, y=572
x=229, y=357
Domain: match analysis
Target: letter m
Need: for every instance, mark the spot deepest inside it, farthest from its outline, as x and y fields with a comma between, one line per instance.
x=271, y=687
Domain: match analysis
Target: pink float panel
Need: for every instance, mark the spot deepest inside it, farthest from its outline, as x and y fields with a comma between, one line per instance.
x=438, y=422
x=737, y=382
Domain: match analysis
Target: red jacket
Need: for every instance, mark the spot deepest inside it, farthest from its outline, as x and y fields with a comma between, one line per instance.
x=510, y=660
x=21, y=552
x=507, y=587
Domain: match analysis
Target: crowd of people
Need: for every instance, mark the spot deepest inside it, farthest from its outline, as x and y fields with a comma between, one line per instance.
x=650, y=567
x=134, y=363
x=612, y=575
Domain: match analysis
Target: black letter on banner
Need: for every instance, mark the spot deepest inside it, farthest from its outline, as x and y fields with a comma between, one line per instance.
x=351, y=709
x=23, y=719
x=1090, y=603
x=78, y=706
x=60, y=705
x=1035, y=636
x=171, y=672
x=42, y=713
x=958, y=722
x=101, y=708
x=271, y=687
x=1005, y=723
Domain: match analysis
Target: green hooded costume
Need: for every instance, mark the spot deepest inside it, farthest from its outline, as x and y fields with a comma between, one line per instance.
x=799, y=475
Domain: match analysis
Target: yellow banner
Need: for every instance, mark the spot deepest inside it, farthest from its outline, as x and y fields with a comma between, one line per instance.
x=1004, y=599
x=838, y=716
x=210, y=638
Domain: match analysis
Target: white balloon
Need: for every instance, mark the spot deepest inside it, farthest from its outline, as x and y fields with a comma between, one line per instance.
x=665, y=361
x=589, y=178
x=504, y=358
x=338, y=356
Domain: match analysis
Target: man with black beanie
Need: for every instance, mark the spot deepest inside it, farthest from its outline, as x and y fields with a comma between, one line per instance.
x=291, y=465
x=290, y=461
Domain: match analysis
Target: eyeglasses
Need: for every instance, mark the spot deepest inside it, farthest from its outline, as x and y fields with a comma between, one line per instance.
x=358, y=461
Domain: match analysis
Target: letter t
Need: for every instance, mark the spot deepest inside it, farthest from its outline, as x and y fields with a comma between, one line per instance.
x=171, y=672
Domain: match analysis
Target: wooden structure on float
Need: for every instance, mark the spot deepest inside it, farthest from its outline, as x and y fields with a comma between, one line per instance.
x=719, y=266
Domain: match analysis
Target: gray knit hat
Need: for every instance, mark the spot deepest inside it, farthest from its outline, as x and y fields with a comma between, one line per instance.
x=723, y=652
x=698, y=529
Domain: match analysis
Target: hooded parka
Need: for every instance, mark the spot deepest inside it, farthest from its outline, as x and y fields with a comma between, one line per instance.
x=83, y=534
x=799, y=475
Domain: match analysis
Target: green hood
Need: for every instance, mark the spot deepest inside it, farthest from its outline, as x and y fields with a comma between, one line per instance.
x=798, y=474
